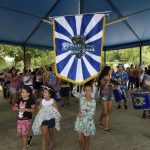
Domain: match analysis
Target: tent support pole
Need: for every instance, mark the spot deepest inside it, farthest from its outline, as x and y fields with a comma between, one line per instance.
x=79, y=7
x=105, y=57
x=24, y=57
x=140, y=54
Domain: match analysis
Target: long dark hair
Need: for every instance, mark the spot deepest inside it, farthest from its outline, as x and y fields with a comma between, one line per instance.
x=104, y=73
x=11, y=71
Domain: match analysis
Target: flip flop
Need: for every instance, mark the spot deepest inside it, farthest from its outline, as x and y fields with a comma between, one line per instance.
x=29, y=140
x=108, y=130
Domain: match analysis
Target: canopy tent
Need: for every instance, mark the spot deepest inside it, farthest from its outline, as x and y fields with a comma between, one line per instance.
x=21, y=21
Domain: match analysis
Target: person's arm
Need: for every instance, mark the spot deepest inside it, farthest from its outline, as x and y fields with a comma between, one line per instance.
x=55, y=105
x=75, y=93
x=58, y=82
x=15, y=107
x=28, y=80
x=94, y=89
x=40, y=105
x=45, y=77
x=32, y=109
x=15, y=78
x=38, y=71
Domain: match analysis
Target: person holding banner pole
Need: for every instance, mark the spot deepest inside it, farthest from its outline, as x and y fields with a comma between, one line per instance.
x=47, y=119
x=106, y=96
x=84, y=124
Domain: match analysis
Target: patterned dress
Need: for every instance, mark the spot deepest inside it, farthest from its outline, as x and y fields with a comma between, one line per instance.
x=85, y=123
x=46, y=113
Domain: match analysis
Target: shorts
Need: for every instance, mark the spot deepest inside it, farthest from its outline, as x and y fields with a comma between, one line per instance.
x=13, y=90
x=23, y=126
x=50, y=123
x=64, y=91
x=106, y=95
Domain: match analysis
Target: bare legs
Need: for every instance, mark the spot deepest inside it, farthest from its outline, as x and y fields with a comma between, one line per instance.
x=84, y=141
x=25, y=141
x=52, y=137
x=14, y=99
x=45, y=131
x=105, y=116
x=44, y=136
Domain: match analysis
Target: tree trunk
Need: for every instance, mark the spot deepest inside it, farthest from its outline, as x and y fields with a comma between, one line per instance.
x=28, y=61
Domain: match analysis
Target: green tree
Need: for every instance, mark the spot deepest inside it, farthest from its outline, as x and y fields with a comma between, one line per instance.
x=34, y=57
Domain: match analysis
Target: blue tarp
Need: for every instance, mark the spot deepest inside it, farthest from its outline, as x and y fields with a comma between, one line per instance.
x=21, y=21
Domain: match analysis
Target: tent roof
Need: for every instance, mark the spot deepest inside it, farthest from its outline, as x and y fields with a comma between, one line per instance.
x=21, y=21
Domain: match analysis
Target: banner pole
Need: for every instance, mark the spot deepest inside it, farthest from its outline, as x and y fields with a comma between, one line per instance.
x=79, y=7
x=79, y=11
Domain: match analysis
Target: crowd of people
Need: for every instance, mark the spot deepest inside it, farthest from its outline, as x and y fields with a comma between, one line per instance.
x=42, y=89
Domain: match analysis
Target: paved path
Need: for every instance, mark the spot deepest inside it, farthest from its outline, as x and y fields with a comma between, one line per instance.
x=130, y=132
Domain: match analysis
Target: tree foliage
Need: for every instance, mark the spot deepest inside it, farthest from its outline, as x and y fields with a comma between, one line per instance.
x=41, y=57
x=34, y=57
x=129, y=56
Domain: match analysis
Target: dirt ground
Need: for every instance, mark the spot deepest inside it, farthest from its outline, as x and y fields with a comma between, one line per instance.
x=130, y=131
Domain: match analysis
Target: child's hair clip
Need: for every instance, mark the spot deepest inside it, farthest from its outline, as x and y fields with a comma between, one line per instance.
x=48, y=88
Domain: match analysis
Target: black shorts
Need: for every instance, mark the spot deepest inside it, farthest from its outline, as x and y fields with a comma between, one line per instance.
x=50, y=123
x=64, y=91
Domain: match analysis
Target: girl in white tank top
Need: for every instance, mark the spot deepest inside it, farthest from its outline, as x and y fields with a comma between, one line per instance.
x=47, y=118
x=47, y=102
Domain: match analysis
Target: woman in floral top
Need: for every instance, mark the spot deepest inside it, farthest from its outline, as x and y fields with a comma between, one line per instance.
x=84, y=124
x=106, y=96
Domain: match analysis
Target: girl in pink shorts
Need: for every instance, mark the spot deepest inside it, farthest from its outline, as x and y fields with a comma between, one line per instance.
x=25, y=106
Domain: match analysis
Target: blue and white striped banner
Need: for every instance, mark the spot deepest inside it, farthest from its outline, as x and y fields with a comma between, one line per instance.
x=78, y=41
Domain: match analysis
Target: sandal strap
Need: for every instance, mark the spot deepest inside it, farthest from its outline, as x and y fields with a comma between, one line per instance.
x=108, y=130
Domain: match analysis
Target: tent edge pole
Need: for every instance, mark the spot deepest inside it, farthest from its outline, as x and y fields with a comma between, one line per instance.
x=24, y=57
x=105, y=57
x=140, y=54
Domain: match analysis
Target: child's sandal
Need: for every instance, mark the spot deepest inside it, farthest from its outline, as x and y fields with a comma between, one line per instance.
x=108, y=130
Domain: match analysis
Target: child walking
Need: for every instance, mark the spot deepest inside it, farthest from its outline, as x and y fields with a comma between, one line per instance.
x=84, y=124
x=47, y=118
x=25, y=106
